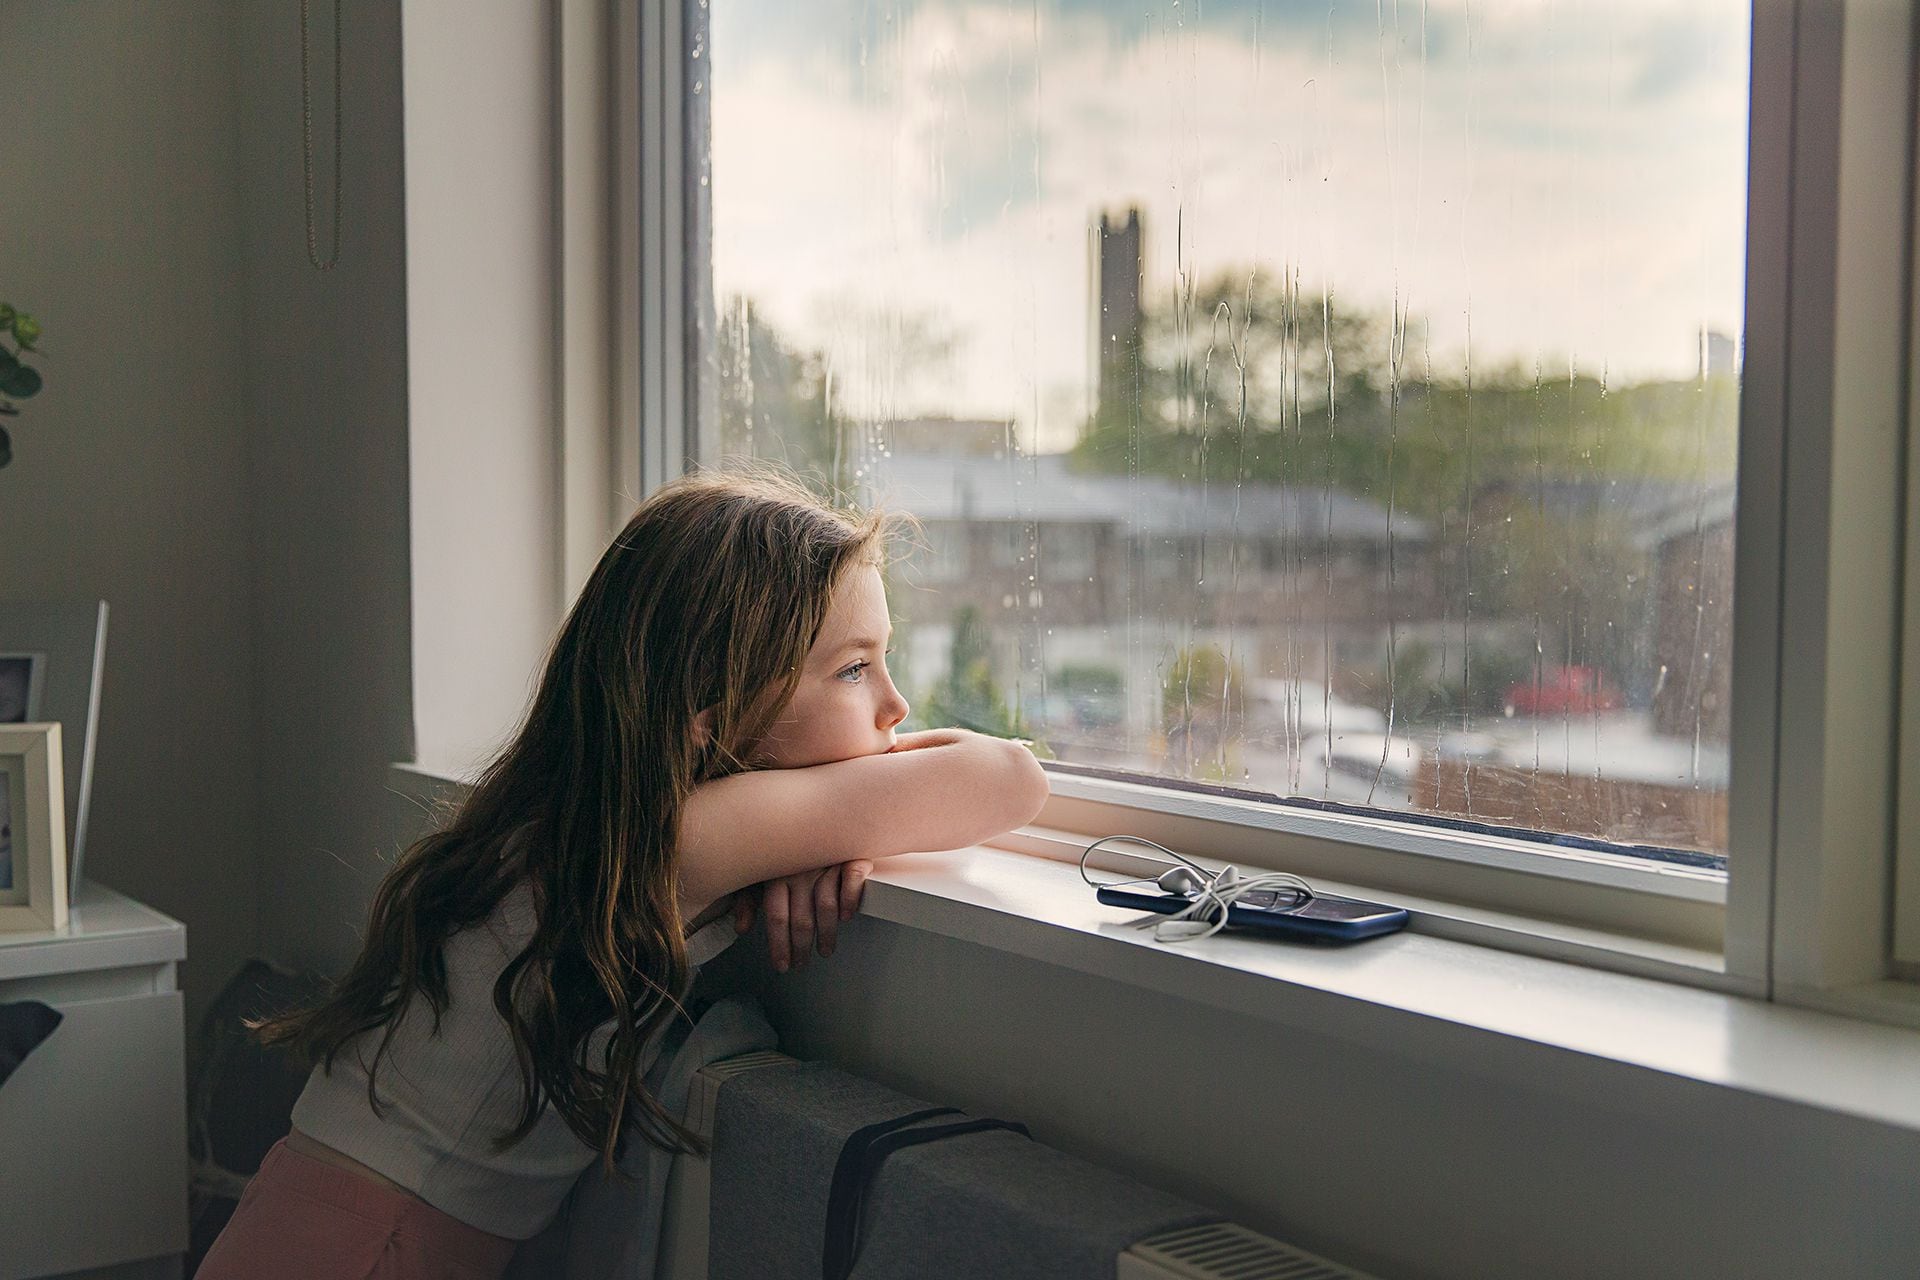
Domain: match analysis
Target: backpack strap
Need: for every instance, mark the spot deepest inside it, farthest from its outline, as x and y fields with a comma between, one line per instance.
x=859, y=1163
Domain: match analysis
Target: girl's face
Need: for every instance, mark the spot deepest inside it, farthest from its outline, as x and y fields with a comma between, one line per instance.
x=845, y=704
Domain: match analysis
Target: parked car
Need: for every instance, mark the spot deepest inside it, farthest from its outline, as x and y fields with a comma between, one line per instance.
x=1563, y=691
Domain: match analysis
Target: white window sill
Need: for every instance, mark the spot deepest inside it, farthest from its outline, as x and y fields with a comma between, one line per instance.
x=1482, y=926
x=1428, y=987
x=1400, y=990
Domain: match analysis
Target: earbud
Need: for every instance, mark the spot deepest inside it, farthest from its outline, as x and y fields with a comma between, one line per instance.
x=1188, y=881
x=1180, y=880
x=1213, y=893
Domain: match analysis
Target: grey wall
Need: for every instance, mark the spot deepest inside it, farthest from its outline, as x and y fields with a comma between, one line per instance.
x=120, y=230
x=326, y=416
x=221, y=452
x=1451, y=1154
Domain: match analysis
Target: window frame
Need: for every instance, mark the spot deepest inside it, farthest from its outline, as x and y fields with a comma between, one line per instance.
x=1906, y=913
x=653, y=309
x=1836, y=666
x=1814, y=618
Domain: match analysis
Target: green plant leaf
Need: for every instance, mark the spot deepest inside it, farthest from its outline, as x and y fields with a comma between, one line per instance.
x=26, y=330
x=7, y=313
x=7, y=362
x=19, y=382
x=6, y=447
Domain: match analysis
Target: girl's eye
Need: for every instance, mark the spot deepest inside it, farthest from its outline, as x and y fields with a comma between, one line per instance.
x=851, y=674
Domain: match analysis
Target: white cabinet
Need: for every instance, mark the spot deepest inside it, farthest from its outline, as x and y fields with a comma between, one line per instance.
x=93, y=1125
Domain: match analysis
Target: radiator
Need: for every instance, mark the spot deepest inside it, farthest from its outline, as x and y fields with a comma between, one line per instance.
x=1218, y=1251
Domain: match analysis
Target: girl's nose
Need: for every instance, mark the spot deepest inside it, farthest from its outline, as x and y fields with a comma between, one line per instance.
x=894, y=709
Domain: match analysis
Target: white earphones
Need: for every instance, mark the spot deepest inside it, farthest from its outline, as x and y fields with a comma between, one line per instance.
x=1179, y=880
x=1212, y=891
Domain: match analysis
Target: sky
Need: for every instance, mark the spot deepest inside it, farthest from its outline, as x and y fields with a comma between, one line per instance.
x=1550, y=185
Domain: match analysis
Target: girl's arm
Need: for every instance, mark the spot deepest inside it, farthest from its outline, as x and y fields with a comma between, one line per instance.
x=937, y=790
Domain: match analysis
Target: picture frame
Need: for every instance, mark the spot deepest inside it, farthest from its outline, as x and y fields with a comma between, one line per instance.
x=33, y=832
x=52, y=655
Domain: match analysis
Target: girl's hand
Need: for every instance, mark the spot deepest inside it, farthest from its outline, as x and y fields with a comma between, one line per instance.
x=803, y=908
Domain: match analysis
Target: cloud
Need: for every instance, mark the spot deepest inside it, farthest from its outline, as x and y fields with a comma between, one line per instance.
x=1568, y=178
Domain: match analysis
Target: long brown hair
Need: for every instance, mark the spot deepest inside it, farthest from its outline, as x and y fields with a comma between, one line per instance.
x=710, y=598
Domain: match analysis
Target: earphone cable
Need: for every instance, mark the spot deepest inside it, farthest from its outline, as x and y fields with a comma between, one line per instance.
x=1206, y=914
x=1111, y=884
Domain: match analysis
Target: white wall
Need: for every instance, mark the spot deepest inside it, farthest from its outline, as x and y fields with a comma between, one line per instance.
x=480, y=320
x=120, y=229
x=1473, y=1158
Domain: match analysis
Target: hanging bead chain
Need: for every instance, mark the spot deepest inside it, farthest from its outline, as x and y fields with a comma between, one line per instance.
x=306, y=139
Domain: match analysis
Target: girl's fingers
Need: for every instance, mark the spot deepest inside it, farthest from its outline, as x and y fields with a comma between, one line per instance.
x=743, y=911
x=803, y=907
x=800, y=916
x=777, y=940
x=853, y=883
x=826, y=909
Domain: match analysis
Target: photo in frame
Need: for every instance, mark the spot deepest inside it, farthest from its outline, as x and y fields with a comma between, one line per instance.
x=51, y=659
x=22, y=686
x=33, y=837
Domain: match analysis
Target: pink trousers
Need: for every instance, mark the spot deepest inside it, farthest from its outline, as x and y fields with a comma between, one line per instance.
x=304, y=1219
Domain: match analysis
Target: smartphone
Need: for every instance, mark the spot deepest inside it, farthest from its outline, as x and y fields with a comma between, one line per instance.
x=1321, y=918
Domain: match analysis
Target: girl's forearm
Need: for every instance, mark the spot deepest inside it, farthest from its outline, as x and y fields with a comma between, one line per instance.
x=942, y=790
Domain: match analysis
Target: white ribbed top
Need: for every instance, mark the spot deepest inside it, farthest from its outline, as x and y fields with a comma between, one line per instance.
x=445, y=1098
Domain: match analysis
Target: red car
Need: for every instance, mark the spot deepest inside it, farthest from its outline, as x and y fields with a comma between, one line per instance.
x=1563, y=691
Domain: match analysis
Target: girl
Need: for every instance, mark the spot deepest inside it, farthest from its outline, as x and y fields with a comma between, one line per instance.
x=715, y=714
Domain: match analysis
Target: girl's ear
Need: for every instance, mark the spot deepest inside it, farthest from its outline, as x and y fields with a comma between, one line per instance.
x=703, y=728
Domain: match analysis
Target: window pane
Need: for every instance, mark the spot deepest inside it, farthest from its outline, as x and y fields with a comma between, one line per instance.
x=1328, y=401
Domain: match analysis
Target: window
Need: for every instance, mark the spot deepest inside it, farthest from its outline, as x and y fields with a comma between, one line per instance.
x=1416, y=390
x=942, y=553
x=1367, y=417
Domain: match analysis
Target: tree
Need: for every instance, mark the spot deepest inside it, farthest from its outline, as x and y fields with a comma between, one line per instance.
x=1203, y=707
x=1250, y=379
x=782, y=403
x=968, y=696
x=777, y=402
